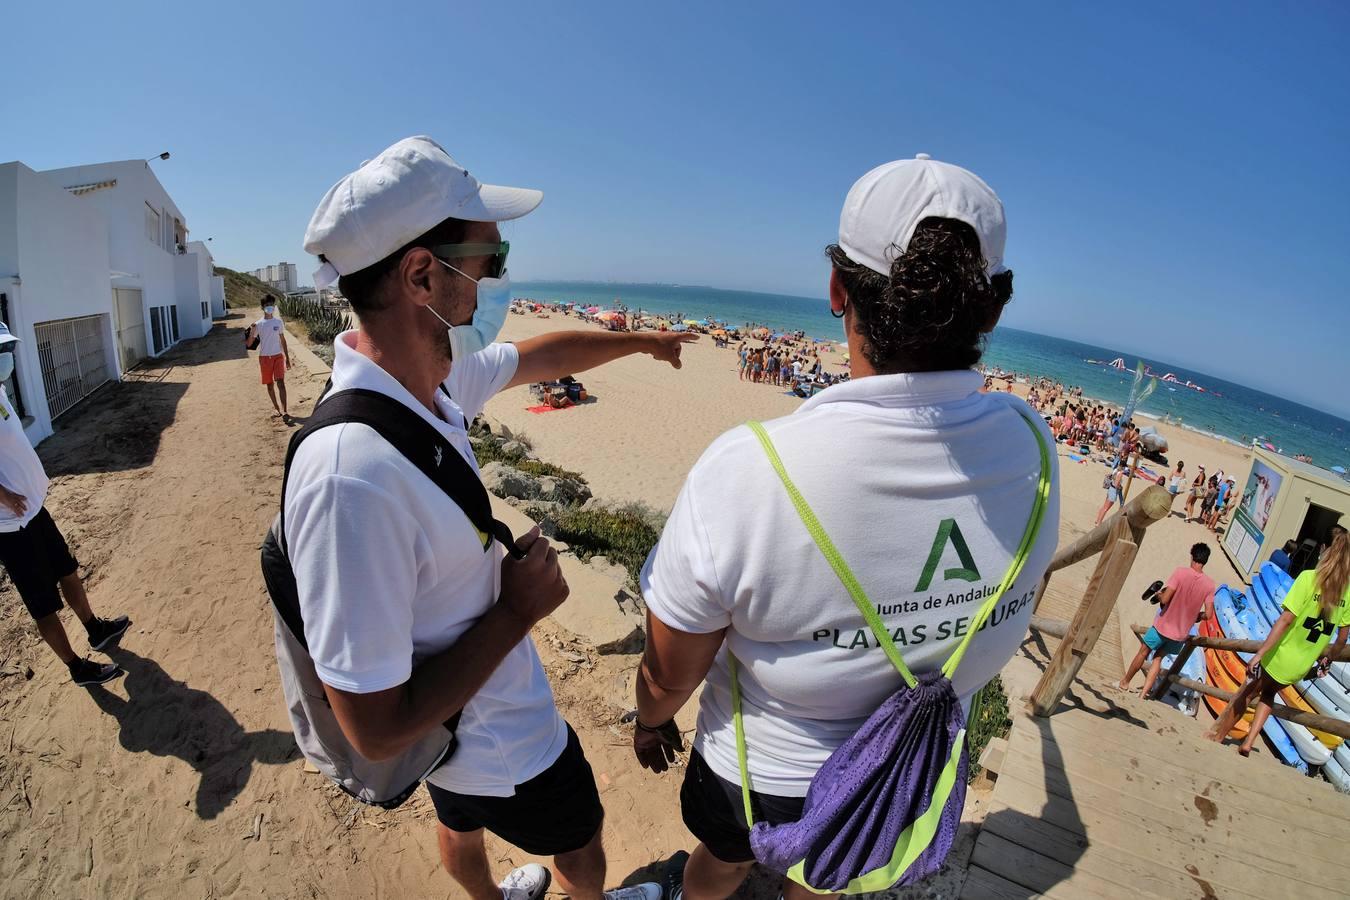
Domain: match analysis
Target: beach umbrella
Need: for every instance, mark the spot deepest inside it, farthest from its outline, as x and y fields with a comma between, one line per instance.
x=609, y=314
x=718, y=332
x=679, y=328
x=692, y=322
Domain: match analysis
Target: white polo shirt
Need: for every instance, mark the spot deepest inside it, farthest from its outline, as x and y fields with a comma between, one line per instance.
x=390, y=571
x=269, y=336
x=20, y=469
x=925, y=485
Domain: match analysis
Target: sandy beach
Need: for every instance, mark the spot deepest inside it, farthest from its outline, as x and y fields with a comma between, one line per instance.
x=181, y=780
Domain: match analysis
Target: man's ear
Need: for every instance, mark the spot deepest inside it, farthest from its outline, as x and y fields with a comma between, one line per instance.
x=838, y=296
x=416, y=275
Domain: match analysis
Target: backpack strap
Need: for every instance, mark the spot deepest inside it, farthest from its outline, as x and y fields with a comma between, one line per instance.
x=419, y=442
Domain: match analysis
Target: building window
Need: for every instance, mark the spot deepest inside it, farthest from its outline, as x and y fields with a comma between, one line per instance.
x=151, y=224
x=157, y=329
x=173, y=316
x=205, y=312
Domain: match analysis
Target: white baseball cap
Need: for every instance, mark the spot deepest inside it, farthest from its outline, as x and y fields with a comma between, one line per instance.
x=885, y=206
x=6, y=336
x=403, y=193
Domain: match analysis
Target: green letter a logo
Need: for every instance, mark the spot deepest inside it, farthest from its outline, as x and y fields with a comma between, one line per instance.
x=948, y=530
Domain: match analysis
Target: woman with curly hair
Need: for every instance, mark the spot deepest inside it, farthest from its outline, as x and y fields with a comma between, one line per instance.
x=924, y=484
x=1317, y=605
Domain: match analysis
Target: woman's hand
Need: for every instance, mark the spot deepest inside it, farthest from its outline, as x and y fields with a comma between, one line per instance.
x=655, y=747
x=1322, y=666
x=1254, y=670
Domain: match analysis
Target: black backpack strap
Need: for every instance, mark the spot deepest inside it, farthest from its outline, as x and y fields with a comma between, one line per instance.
x=419, y=442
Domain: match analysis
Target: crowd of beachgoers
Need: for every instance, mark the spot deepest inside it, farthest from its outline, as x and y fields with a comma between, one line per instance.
x=1086, y=426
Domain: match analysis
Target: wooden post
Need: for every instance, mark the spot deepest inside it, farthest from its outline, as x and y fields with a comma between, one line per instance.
x=1105, y=586
x=1040, y=593
x=1160, y=686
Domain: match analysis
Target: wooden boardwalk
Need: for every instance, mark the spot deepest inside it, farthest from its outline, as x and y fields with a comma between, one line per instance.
x=1129, y=800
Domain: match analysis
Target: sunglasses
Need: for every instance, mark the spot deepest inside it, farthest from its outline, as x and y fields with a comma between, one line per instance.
x=496, y=265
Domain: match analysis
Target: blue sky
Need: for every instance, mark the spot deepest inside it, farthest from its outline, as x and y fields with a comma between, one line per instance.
x=1175, y=175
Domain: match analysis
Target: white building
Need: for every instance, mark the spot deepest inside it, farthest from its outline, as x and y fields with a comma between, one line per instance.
x=54, y=295
x=153, y=267
x=96, y=274
x=279, y=276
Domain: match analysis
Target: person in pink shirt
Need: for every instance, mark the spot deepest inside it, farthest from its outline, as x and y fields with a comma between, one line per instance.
x=1185, y=600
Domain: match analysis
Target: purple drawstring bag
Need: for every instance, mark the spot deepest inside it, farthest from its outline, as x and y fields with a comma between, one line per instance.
x=884, y=808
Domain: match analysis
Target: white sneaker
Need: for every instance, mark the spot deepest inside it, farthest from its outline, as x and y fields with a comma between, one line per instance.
x=528, y=883
x=649, y=891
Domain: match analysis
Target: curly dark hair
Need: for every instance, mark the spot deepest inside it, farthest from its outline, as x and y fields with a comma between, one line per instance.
x=933, y=310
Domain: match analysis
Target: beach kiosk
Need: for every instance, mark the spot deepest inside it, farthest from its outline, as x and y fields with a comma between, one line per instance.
x=1282, y=500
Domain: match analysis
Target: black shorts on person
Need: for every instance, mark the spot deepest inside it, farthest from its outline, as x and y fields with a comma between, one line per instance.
x=714, y=811
x=557, y=811
x=36, y=558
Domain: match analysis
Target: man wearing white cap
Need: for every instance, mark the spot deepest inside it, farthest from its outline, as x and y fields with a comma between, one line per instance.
x=924, y=485
x=32, y=549
x=408, y=620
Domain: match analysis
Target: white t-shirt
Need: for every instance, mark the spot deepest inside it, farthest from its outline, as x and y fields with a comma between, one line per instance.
x=20, y=469
x=925, y=485
x=269, y=336
x=390, y=571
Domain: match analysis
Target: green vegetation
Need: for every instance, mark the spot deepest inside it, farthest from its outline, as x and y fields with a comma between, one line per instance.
x=488, y=450
x=988, y=720
x=623, y=534
x=242, y=290
x=323, y=325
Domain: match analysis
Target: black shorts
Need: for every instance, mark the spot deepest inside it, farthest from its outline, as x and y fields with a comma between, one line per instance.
x=714, y=811
x=557, y=811
x=36, y=557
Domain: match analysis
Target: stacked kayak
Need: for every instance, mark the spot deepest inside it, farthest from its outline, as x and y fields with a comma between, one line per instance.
x=1238, y=623
x=1327, y=696
x=1185, y=699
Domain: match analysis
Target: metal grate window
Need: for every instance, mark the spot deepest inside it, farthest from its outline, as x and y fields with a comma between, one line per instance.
x=72, y=358
x=173, y=317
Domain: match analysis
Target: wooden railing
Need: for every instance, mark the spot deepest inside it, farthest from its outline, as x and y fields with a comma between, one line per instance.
x=1330, y=725
x=1117, y=540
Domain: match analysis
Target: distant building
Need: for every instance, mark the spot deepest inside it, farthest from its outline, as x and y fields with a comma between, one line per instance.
x=96, y=274
x=278, y=276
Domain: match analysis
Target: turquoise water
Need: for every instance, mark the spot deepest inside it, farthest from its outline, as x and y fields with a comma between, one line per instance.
x=1227, y=410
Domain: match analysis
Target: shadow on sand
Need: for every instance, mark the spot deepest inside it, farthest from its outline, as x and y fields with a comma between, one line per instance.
x=165, y=717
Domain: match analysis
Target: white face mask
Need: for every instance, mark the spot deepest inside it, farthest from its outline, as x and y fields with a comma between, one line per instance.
x=494, y=299
x=269, y=310
x=6, y=365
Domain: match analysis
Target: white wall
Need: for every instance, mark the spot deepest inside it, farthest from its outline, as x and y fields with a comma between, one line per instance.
x=57, y=247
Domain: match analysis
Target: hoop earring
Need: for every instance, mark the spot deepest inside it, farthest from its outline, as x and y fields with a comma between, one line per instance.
x=837, y=315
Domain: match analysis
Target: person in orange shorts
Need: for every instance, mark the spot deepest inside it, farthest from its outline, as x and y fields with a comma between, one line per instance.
x=274, y=356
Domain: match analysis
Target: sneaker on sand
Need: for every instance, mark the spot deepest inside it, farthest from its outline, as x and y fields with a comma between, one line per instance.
x=86, y=672
x=672, y=876
x=526, y=883
x=103, y=632
x=649, y=891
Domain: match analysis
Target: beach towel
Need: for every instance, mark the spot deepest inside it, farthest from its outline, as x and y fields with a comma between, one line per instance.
x=884, y=808
x=546, y=408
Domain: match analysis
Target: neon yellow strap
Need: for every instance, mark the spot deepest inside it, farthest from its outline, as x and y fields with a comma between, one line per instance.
x=833, y=557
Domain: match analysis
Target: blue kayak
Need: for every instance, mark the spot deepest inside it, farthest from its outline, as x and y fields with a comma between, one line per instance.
x=1238, y=622
x=1330, y=694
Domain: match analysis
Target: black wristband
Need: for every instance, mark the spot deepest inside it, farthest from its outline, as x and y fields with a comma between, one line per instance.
x=654, y=729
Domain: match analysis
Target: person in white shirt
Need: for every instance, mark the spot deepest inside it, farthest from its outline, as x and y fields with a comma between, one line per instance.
x=923, y=482
x=408, y=620
x=33, y=550
x=274, y=355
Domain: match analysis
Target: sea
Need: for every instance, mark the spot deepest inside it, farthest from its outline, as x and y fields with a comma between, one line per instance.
x=1224, y=410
